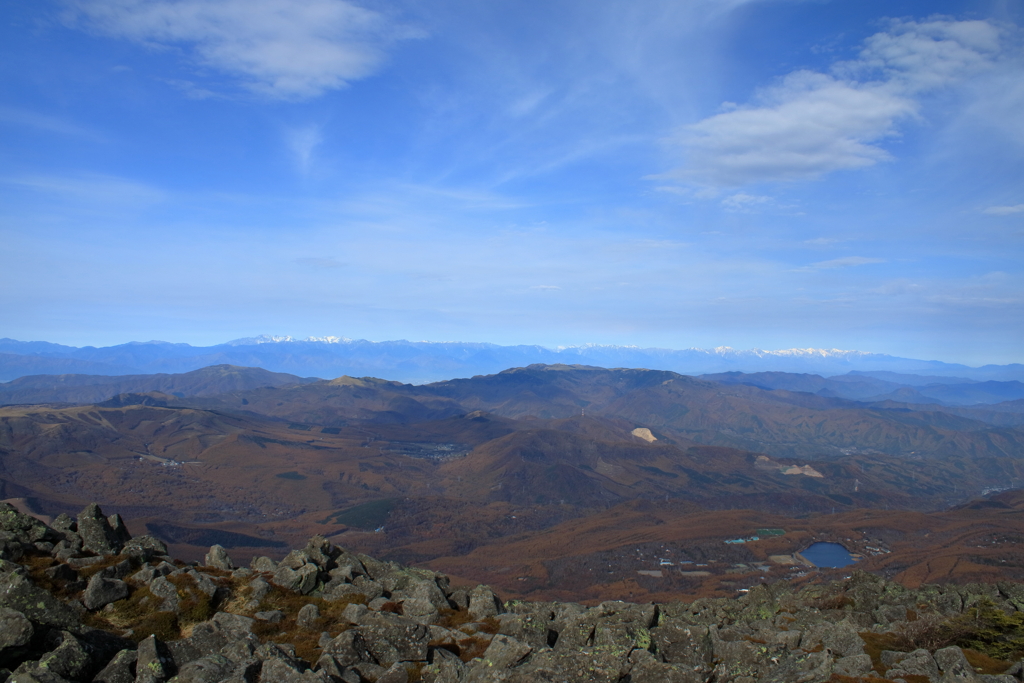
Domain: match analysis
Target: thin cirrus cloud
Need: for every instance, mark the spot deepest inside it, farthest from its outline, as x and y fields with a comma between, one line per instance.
x=283, y=49
x=844, y=262
x=1004, y=210
x=810, y=123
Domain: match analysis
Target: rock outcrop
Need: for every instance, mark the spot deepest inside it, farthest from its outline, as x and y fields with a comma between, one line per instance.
x=82, y=601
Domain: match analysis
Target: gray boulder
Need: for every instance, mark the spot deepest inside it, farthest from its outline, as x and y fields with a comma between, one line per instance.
x=154, y=662
x=645, y=668
x=209, y=669
x=68, y=660
x=917, y=663
x=484, y=603
x=120, y=669
x=391, y=638
x=37, y=605
x=15, y=629
x=308, y=616
x=218, y=558
x=504, y=652
x=954, y=666
x=103, y=591
x=97, y=533
x=302, y=580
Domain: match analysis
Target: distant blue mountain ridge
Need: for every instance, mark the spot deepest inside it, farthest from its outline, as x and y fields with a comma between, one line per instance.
x=422, y=362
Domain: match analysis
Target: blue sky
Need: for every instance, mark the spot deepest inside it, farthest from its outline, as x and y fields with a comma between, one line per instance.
x=758, y=173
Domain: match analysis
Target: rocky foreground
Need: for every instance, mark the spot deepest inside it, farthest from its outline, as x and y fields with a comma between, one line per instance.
x=83, y=601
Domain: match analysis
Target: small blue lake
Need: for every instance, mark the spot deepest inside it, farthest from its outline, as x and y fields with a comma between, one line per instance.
x=830, y=555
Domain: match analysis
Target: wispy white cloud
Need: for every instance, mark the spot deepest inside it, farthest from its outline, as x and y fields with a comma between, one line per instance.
x=303, y=142
x=1004, y=210
x=51, y=124
x=319, y=262
x=810, y=124
x=545, y=287
x=746, y=203
x=279, y=48
x=844, y=262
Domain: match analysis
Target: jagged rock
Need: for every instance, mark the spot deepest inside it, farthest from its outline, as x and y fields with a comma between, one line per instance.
x=119, y=529
x=209, y=669
x=68, y=659
x=36, y=676
x=97, y=533
x=307, y=616
x=218, y=558
x=148, y=573
x=302, y=580
x=916, y=663
x=484, y=603
x=391, y=638
x=853, y=665
x=446, y=668
x=103, y=591
x=588, y=664
x=154, y=662
x=144, y=548
x=616, y=625
x=15, y=629
x=166, y=591
x=397, y=673
x=281, y=671
x=38, y=605
x=954, y=666
x=645, y=668
x=263, y=564
x=459, y=600
x=354, y=613
x=531, y=629
x=842, y=638
x=348, y=648
x=504, y=652
x=233, y=622
x=60, y=572
x=815, y=667
x=21, y=528
x=120, y=669
x=272, y=616
x=420, y=610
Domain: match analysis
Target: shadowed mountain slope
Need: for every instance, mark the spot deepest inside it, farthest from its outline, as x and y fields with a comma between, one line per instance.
x=84, y=389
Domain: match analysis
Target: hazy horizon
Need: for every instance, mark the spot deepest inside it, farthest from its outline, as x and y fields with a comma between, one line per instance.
x=767, y=174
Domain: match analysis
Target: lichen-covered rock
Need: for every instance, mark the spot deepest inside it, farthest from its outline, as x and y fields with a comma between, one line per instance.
x=504, y=652
x=584, y=665
x=154, y=663
x=954, y=666
x=813, y=667
x=17, y=527
x=645, y=668
x=39, y=606
x=391, y=638
x=917, y=663
x=120, y=669
x=348, y=648
x=97, y=533
x=15, y=629
x=853, y=666
x=209, y=669
x=69, y=659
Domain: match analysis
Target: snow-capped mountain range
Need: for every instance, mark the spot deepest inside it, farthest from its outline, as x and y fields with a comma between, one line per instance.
x=423, y=361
